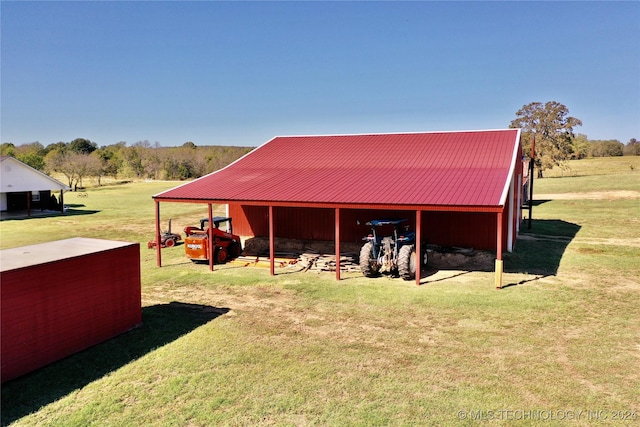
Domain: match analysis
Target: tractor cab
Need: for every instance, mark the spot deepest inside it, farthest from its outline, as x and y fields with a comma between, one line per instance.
x=222, y=223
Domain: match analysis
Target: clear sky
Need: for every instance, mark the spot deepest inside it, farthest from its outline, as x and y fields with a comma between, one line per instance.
x=240, y=73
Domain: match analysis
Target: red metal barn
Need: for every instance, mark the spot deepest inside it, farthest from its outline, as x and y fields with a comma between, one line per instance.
x=62, y=297
x=459, y=188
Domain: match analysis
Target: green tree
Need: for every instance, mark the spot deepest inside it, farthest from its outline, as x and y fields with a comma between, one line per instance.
x=8, y=149
x=31, y=154
x=111, y=159
x=132, y=160
x=60, y=146
x=553, y=130
x=632, y=148
x=82, y=146
x=606, y=148
x=581, y=146
x=34, y=160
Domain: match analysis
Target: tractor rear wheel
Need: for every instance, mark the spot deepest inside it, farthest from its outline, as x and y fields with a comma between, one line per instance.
x=368, y=264
x=407, y=262
x=170, y=242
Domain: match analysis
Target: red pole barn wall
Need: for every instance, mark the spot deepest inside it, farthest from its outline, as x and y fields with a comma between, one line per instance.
x=445, y=228
x=62, y=297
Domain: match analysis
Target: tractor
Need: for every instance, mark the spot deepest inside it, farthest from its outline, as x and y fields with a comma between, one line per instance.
x=394, y=255
x=167, y=239
x=226, y=245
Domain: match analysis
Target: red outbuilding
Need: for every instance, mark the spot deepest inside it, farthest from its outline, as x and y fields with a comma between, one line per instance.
x=461, y=188
x=62, y=297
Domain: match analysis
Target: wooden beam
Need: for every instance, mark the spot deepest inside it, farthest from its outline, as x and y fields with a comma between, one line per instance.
x=337, y=243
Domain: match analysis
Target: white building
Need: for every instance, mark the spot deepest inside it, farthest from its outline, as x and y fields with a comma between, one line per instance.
x=23, y=188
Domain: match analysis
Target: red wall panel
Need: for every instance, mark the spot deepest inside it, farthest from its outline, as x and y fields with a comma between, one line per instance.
x=59, y=307
x=461, y=229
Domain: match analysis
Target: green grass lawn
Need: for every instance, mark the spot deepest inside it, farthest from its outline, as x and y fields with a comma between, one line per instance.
x=239, y=347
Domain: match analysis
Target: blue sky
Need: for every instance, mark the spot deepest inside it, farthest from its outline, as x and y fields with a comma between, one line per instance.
x=239, y=73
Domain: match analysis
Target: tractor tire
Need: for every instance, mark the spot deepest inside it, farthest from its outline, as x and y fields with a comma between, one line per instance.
x=170, y=243
x=235, y=250
x=368, y=264
x=221, y=255
x=425, y=257
x=407, y=262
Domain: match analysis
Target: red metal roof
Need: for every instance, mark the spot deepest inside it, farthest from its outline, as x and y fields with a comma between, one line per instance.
x=454, y=169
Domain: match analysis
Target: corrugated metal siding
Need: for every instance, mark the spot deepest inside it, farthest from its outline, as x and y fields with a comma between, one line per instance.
x=439, y=168
x=54, y=309
x=460, y=229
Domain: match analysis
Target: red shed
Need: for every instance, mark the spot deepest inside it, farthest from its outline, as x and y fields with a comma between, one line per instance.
x=458, y=188
x=62, y=297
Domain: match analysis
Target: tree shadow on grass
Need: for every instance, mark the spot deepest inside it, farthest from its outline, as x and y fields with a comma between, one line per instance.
x=161, y=325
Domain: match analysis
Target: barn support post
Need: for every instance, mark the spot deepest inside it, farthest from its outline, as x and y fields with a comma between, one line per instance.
x=499, y=251
x=29, y=204
x=531, y=171
x=61, y=201
x=272, y=245
x=158, y=252
x=519, y=203
x=418, y=246
x=337, y=243
x=210, y=232
x=510, y=228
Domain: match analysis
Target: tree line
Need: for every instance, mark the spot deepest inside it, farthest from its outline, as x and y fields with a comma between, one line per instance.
x=549, y=124
x=82, y=158
x=552, y=129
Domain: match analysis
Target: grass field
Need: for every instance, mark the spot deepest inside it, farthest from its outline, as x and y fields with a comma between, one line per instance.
x=559, y=345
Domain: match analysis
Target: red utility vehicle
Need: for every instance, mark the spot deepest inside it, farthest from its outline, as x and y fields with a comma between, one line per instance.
x=226, y=245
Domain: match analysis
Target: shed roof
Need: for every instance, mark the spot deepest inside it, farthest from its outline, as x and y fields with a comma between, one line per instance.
x=49, y=252
x=16, y=176
x=465, y=169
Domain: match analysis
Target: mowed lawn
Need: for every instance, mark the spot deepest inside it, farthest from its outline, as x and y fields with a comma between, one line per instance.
x=559, y=345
